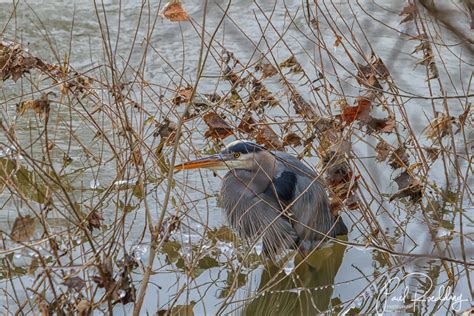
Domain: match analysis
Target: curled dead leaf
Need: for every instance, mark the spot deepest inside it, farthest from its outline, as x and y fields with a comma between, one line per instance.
x=166, y=130
x=267, y=69
x=94, y=220
x=302, y=107
x=398, y=158
x=247, y=124
x=291, y=139
x=267, y=137
x=183, y=96
x=408, y=186
x=292, y=63
x=439, y=126
x=40, y=106
x=381, y=125
x=174, y=11
x=409, y=11
x=432, y=152
x=218, y=128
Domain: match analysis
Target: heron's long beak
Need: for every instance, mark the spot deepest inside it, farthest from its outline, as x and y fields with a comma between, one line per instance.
x=214, y=161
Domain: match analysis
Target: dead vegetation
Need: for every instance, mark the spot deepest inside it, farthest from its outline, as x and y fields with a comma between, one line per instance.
x=87, y=154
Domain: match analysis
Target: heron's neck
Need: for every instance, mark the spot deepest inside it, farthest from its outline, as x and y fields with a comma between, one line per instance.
x=260, y=174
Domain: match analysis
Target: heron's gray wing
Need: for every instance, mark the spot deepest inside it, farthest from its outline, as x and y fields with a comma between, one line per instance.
x=292, y=163
x=309, y=204
x=256, y=216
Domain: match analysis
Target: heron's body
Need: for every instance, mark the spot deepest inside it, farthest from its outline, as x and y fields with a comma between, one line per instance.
x=272, y=196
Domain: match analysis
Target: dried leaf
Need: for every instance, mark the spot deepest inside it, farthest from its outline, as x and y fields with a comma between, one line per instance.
x=398, y=158
x=218, y=128
x=260, y=96
x=432, y=152
x=291, y=139
x=382, y=150
x=267, y=137
x=409, y=11
x=137, y=158
x=83, y=308
x=94, y=220
x=385, y=125
x=302, y=107
x=359, y=112
x=338, y=41
x=267, y=69
x=247, y=124
x=40, y=106
x=174, y=11
x=75, y=283
x=292, y=63
x=408, y=187
x=23, y=228
x=183, y=96
x=166, y=130
x=439, y=126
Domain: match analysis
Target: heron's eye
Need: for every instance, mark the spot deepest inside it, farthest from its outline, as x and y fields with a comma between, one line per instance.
x=236, y=155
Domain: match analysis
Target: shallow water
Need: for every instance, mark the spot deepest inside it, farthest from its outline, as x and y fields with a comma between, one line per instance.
x=350, y=278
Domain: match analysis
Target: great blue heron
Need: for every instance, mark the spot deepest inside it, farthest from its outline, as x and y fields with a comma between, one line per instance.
x=273, y=196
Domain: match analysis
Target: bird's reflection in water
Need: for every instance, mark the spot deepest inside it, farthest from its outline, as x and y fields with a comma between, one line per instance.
x=305, y=291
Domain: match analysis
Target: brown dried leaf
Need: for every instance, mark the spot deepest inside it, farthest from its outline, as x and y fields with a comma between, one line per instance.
x=23, y=228
x=382, y=150
x=174, y=11
x=292, y=63
x=291, y=139
x=247, y=124
x=83, y=308
x=408, y=187
x=409, y=11
x=75, y=283
x=260, y=96
x=183, y=96
x=267, y=137
x=338, y=41
x=302, y=107
x=40, y=106
x=166, y=130
x=218, y=128
x=94, y=220
x=398, y=158
x=385, y=125
x=267, y=69
x=432, y=152
x=439, y=126
x=137, y=158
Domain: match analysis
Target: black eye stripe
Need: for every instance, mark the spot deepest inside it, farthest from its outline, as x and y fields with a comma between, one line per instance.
x=244, y=147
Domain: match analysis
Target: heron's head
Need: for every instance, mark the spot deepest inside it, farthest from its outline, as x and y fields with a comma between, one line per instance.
x=237, y=155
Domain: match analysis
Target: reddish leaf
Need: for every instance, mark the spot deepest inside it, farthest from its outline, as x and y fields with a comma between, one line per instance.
x=359, y=112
